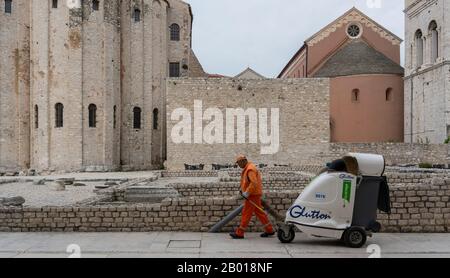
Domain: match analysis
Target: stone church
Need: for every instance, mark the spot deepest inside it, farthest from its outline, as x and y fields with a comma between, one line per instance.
x=427, y=76
x=362, y=60
x=82, y=83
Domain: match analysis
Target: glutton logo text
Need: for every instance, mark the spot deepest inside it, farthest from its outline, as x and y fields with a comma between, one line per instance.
x=228, y=126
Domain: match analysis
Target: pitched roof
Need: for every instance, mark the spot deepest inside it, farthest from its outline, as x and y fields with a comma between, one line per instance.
x=348, y=16
x=249, y=73
x=354, y=11
x=357, y=57
x=292, y=60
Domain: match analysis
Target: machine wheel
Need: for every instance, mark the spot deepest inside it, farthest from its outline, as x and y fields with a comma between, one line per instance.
x=286, y=235
x=355, y=237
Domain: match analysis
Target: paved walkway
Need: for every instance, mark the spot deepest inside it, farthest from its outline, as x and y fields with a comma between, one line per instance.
x=204, y=245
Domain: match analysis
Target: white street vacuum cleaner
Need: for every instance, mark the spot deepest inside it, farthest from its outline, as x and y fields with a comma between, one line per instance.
x=341, y=202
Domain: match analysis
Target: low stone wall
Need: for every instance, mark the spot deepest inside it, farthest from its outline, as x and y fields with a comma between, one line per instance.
x=413, y=178
x=176, y=174
x=394, y=153
x=232, y=188
x=321, y=153
x=416, y=208
x=424, y=208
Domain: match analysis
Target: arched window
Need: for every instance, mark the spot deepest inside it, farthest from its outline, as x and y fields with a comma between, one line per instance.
x=114, y=116
x=155, y=118
x=95, y=5
x=137, y=15
x=389, y=94
x=434, y=41
x=59, y=115
x=419, y=48
x=137, y=118
x=36, y=117
x=92, y=115
x=355, y=95
x=174, y=32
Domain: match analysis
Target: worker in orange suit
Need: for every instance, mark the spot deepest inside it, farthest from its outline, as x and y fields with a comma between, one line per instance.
x=251, y=188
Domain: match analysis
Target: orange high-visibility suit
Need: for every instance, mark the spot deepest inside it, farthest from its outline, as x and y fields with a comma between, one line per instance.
x=251, y=182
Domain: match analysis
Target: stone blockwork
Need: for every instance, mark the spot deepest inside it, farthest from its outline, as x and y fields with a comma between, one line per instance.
x=416, y=209
x=303, y=119
x=394, y=153
x=15, y=87
x=420, y=203
x=114, y=59
x=318, y=155
x=427, y=78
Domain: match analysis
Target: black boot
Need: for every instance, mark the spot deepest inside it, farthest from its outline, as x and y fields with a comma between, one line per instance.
x=235, y=236
x=265, y=234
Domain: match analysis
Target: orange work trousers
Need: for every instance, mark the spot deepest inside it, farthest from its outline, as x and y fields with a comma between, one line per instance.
x=247, y=214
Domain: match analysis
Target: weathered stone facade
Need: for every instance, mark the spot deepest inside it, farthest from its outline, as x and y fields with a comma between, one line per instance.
x=15, y=86
x=303, y=118
x=115, y=57
x=304, y=128
x=427, y=71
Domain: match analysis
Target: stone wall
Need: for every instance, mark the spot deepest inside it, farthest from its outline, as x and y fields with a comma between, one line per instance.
x=15, y=87
x=195, y=67
x=173, y=174
x=416, y=207
x=427, y=85
x=77, y=57
x=316, y=157
x=394, y=153
x=232, y=188
x=303, y=119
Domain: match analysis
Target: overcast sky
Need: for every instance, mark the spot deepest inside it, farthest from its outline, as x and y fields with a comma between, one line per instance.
x=231, y=35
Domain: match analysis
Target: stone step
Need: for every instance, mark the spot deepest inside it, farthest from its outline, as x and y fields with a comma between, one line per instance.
x=149, y=194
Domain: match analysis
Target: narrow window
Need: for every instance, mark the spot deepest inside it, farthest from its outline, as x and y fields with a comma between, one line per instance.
x=355, y=95
x=174, y=32
x=114, y=116
x=174, y=70
x=155, y=118
x=36, y=117
x=8, y=6
x=389, y=94
x=59, y=115
x=92, y=115
x=137, y=118
x=137, y=15
x=419, y=48
x=95, y=5
x=55, y=4
x=434, y=41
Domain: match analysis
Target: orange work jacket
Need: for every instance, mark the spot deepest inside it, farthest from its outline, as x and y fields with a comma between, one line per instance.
x=251, y=180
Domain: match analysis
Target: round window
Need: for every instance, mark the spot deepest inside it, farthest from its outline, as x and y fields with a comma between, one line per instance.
x=353, y=31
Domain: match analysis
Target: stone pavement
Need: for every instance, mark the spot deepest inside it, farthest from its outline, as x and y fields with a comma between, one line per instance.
x=204, y=245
